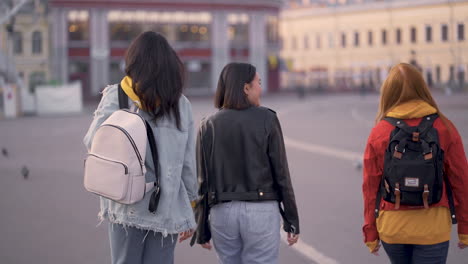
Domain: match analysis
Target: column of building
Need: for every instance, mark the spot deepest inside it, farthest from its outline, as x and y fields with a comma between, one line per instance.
x=219, y=46
x=258, y=45
x=59, y=51
x=99, y=50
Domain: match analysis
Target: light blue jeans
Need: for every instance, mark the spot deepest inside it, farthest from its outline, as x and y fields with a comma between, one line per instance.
x=246, y=232
x=130, y=245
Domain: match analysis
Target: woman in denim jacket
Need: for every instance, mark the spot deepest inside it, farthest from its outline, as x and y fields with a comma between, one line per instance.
x=154, y=82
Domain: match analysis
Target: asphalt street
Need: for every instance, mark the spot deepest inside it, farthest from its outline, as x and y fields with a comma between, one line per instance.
x=49, y=218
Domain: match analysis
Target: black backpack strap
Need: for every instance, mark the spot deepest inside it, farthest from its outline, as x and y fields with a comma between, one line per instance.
x=400, y=123
x=427, y=122
x=448, y=188
x=123, y=98
x=377, y=203
x=153, y=204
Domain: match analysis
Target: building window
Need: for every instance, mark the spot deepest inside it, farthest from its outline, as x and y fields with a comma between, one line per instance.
x=37, y=42
x=343, y=40
x=120, y=31
x=384, y=37
x=306, y=42
x=78, y=25
x=461, y=32
x=398, y=36
x=17, y=42
x=428, y=34
x=452, y=73
x=331, y=41
x=414, y=38
x=272, y=29
x=238, y=29
x=79, y=71
x=293, y=43
x=429, y=78
x=356, y=39
x=318, y=42
x=78, y=31
x=195, y=32
x=198, y=74
x=444, y=32
x=438, y=74
x=370, y=39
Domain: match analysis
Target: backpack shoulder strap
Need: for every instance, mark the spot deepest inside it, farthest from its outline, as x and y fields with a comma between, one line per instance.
x=123, y=98
x=400, y=123
x=153, y=204
x=427, y=122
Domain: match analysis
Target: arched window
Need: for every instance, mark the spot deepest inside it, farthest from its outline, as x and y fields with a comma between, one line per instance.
x=37, y=42
x=17, y=42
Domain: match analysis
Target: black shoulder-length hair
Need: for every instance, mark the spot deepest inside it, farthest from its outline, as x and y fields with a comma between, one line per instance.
x=230, y=92
x=157, y=73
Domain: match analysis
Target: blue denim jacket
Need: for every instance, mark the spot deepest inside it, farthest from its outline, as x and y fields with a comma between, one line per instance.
x=179, y=186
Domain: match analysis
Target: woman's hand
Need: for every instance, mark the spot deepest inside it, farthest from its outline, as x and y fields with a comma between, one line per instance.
x=207, y=245
x=292, y=239
x=185, y=235
x=375, y=251
x=462, y=245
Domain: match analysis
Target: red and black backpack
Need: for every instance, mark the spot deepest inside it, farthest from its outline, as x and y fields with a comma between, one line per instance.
x=414, y=166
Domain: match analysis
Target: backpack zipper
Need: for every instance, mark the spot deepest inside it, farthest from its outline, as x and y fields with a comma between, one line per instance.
x=99, y=157
x=135, y=148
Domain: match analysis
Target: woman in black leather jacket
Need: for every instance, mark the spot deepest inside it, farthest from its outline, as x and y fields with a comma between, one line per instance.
x=243, y=172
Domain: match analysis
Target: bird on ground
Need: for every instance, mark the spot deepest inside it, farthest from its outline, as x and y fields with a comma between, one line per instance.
x=25, y=172
x=4, y=152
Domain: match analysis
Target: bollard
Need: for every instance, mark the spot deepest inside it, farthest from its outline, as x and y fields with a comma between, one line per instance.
x=9, y=100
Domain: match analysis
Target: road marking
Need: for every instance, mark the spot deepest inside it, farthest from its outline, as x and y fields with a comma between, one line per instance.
x=310, y=252
x=301, y=247
x=323, y=150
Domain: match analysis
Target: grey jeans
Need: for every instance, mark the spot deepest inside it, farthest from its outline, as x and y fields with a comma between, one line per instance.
x=246, y=232
x=130, y=245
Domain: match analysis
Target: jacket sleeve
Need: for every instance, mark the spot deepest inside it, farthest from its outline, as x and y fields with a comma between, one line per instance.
x=202, y=210
x=109, y=103
x=456, y=168
x=189, y=174
x=281, y=177
x=372, y=175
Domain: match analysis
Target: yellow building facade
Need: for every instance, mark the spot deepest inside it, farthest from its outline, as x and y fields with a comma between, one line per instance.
x=24, y=40
x=353, y=46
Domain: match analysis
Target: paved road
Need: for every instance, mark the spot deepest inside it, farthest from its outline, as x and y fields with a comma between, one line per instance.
x=49, y=218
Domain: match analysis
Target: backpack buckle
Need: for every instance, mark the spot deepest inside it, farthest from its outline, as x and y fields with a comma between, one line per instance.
x=415, y=136
x=397, y=196
x=428, y=156
x=425, y=196
x=398, y=154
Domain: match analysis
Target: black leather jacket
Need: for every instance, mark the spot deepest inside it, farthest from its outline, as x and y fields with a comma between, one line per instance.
x=241, y=156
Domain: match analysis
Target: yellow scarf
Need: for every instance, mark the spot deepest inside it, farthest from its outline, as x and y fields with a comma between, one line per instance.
x=126, y=85
x=412, y=109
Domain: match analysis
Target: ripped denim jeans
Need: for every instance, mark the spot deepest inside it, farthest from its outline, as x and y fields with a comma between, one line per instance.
x=137, y=246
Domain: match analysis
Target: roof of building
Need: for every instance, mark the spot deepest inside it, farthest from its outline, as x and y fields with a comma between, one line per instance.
x=245, y=5
x=297, y=9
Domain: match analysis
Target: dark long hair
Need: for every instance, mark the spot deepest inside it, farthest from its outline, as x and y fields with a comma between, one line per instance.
x=230, y=92
x=157, y=74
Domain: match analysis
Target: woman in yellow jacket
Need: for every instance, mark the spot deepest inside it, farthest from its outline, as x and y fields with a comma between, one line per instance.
x=412, y=234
